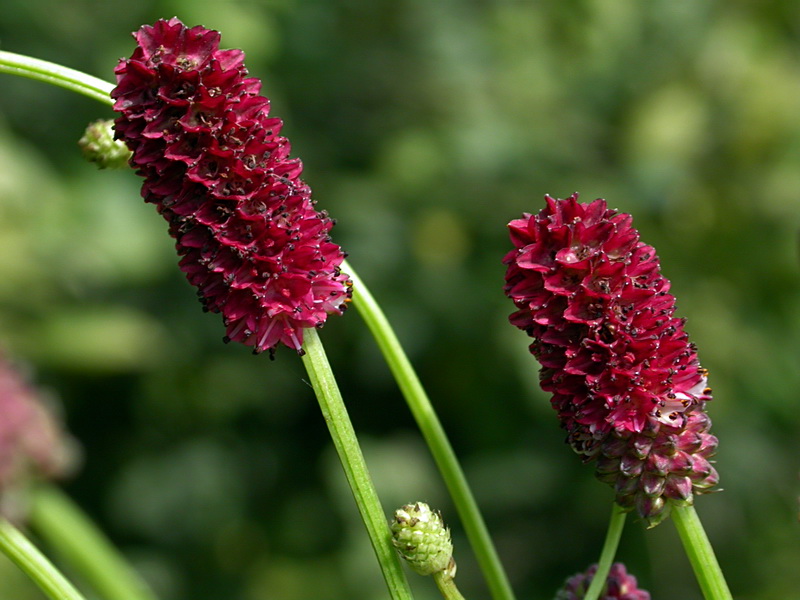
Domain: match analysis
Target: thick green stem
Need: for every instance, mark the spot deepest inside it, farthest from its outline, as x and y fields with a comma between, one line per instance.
x=701, y=554
x=53, y=516
x=42, y=70
x=401, y=368
x=447, y=585
x=62, y=525
x=355, y=469
x=615, y=526
x=34, y=564
x=435, y=436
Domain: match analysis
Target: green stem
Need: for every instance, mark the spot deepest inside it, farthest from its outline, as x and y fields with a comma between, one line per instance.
x=398, y=362
x=42, y=70
x=61, y=524
x=355, y=469
x=53, y=516
x=447, y=585
x=700, y=553
x=34, y=564
x=615, y=526
x=435, y=436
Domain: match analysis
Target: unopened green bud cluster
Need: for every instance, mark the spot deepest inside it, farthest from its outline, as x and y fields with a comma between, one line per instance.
x=422, y=539
x=100, y=147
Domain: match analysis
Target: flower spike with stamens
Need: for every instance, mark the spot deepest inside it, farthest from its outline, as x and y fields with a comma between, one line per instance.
x=219, y=171
x=619, y=585
x=624, y=379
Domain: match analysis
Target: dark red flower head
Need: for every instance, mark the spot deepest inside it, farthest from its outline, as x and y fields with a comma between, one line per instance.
x=220, y=173
x=619, y=585
x=614, y=356
x=593, y=298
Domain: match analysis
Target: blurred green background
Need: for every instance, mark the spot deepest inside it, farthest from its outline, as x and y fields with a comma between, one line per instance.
x=424, y=128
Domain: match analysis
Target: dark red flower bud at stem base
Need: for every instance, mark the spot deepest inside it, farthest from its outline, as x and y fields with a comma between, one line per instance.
x=620, y=585
x=218, y=170
x=625, y=381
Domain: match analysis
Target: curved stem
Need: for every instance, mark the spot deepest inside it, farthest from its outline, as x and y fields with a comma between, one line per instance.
x=615, y=526
x=355, y=469
x=435, y=436
x=42, y=70
x=395, y=356
x=28, y=558
x=52, y=514
x=701, y=554
x=447, y=586
x=60, y=523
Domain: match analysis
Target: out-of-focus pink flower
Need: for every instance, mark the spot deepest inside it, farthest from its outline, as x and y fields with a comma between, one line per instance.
x=219, y=171
x=625, y=381
x=32, y=442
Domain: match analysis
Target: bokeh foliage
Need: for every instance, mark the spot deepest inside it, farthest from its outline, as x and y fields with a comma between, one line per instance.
x=424, y=128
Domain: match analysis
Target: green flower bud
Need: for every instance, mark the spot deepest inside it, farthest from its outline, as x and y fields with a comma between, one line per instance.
x=421, y=538
x=100, y=147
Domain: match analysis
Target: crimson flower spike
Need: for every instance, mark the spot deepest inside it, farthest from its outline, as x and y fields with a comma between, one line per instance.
x=624, y=379
x=218, y=170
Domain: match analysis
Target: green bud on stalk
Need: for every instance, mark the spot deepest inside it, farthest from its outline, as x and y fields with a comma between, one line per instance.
x=422, y=539
x=100, y=147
